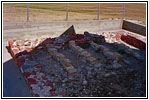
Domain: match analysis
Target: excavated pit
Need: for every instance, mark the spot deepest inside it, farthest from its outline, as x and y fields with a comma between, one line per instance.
x=120, y=71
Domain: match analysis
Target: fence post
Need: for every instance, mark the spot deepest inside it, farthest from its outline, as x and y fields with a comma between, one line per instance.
x=98, y=12
x=67, y=7
x=123, y=16
x=28, y=12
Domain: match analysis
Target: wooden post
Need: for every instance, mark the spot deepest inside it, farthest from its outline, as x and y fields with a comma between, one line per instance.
x=98, y=12
x=28, y=12
x=67, y=7
x=123, y=16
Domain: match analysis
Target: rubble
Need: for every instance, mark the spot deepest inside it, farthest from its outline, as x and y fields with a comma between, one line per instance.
x=60, y=67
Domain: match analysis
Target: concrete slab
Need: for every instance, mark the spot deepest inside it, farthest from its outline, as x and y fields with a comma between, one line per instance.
x=14, y=84
x=17, y=29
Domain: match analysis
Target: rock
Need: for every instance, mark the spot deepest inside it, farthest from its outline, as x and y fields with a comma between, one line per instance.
x=119, y=89
x=138, y=56
x=79, y=50
x=111, y=74
x=71, y=44
x=65, y=80
x=98, y=65
x=72, y=70
x=58, y=47
x=92, y=60
x=40, y=47
x=50, y=45
x=52, y=51
x=127, y=62
x=84, y=82
x=66, y=63
x=85, y=54
x=70, y=77
x=59, y=56
x=94, y=45
x=116, y=66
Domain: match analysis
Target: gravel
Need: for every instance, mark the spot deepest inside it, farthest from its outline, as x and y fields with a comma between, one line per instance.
x=114, y=78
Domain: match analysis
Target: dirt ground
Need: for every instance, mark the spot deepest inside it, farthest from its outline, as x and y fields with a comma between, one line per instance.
x=45, y=12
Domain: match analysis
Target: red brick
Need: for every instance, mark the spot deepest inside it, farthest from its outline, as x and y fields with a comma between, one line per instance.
x=10, y=44
x=33, y=72
x=53, y=93
x=28, y=49
x=36, y=95
x=80, y=36
x=31, y=81
x=27, y=43
x=53, y=39
x=48, y=41
x=82, y=42
x=20, y=61
x=64, y=95
x=41, y=71
x=72, y=37
x=21, y=53
x=44, y=78
x=20, y=42
x=135, y=41
x=22, y=48
x=118, y=36
x=27, y=74
x=38, y=66
x=30, y=57
x=15, y=51
x=48, y=83
x=52, y=89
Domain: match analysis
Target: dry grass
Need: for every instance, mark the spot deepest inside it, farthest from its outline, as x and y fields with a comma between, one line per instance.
x=44, y=12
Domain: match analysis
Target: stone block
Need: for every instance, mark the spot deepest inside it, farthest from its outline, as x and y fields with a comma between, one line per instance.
x=52, y=51
x=94, y=45
x=98, y=65
x=108, y=54
x=71, y=44
x=74, y=47
x=77, y=48
x=117, y=56
x=80, y=49
x=50, y=45
x=92, y=60
x=103, y=48
x=71, y=70
x=113, y=55
x=66, y=62
x=85, y=54
x=59, y=56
